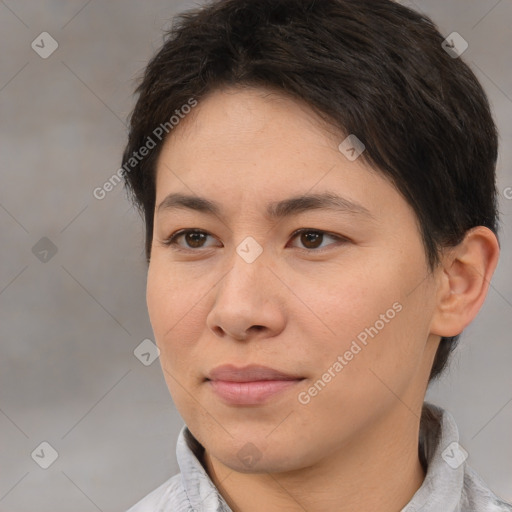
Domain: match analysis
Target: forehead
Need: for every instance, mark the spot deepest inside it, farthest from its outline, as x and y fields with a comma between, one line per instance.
x=240, y=124
x=249, y=146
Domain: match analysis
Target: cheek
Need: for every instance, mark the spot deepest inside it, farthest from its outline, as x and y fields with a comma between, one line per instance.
x=173, y=307
x=173, y=310
x=350, y=298
x=376, y=325
x=363, y=369
x=172, y=295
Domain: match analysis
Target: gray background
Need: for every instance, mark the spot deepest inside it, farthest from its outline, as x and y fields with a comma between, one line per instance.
x=69, y=325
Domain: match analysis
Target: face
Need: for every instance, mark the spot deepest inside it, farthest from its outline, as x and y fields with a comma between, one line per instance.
x=345, y=304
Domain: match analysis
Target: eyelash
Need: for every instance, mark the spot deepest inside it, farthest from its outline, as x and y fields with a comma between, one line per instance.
x=171, y=241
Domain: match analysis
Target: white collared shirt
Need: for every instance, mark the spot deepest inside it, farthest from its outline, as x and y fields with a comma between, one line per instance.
x=450, y=485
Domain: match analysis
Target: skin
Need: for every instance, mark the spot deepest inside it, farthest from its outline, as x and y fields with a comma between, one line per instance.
x=298, y=306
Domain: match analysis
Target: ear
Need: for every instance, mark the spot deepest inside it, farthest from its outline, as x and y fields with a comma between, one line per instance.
x=464, y=280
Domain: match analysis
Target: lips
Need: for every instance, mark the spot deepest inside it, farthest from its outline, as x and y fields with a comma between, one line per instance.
x=251, y=385
x=250, y=373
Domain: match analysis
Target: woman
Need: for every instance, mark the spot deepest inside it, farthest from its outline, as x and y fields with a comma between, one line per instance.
x=318, y=186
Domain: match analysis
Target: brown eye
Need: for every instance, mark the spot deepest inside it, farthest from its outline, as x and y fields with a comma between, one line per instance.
x=312, y=239
x=194, y=239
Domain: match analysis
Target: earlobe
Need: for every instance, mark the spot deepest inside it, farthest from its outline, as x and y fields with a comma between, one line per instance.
x=464, y=280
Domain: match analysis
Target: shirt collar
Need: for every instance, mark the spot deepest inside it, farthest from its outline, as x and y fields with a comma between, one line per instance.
x=201, y=491
x=445, y=463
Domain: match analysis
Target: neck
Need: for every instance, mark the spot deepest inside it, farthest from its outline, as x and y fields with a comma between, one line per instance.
x=379, y=469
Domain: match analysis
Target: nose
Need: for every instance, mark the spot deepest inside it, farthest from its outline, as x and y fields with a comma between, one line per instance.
x=248, y=302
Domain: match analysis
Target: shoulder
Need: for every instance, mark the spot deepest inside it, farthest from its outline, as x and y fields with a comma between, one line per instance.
x=450, y=484
x=168, y=496
x=478, y=497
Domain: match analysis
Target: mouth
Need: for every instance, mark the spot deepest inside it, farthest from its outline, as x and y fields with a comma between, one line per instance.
x=250, y=385
x=250, y=373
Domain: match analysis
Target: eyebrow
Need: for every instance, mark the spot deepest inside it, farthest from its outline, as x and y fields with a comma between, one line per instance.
x=275, y=210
